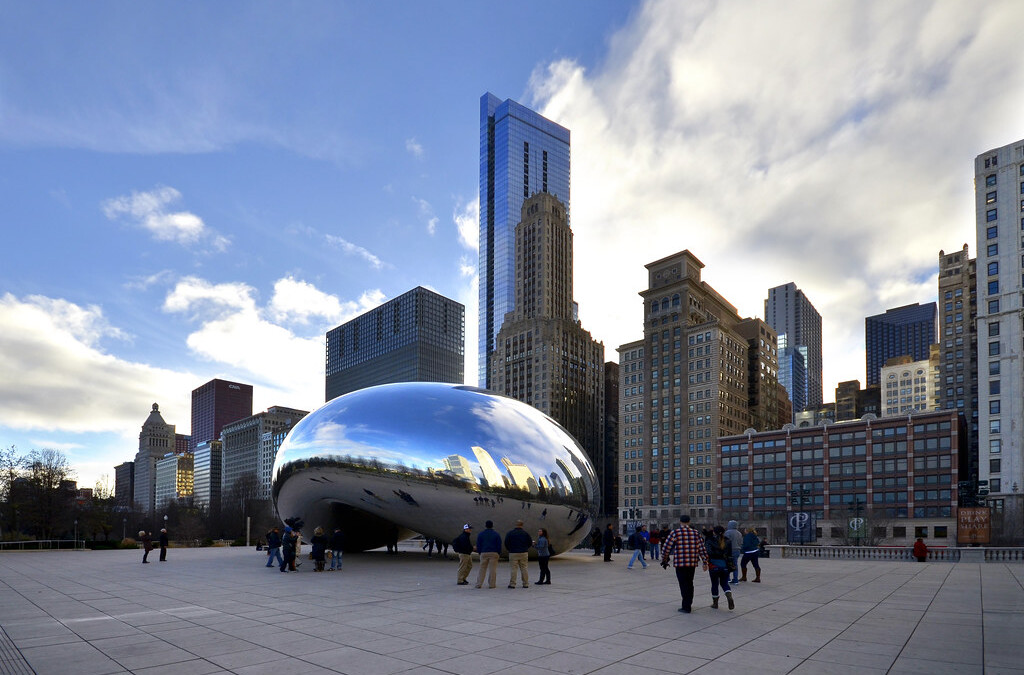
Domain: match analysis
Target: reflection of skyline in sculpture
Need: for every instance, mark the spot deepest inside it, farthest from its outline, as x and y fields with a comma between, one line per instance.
x=491, y=473
x=459, y=466
x=360, y=462
x=521, y=476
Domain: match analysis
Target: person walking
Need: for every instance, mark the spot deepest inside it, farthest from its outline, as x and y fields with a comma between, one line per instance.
x=719, y=550
x=488, y=545
x=518, y=544
x=609, y=542
x=920, y=550
x=337, y=547
x=147, y=545
x=464, y=547
x=751, y=548
x=288, y=544
x=274, y=547
x=735, y=538
x=654, y=541
x=319, y=552
x=163, y=544
x=684, y=547
x=544, y=552
x=639, y=544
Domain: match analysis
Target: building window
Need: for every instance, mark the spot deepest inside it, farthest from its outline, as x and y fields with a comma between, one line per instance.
x=993, y=387
x=991, y=215
x=994, y=465
x=993, y=287
x=990, y=197
x=993, y=329
x=993, y=306
x=993, y=426
x=995, y=446
x=993, y=348
x=993, y=268
x=990, y=179
x=921, y=532
x=993, y=249
x=940, y=531
x=993, y=407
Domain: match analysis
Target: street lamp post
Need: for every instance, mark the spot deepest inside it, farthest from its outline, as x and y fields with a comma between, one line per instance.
x=124, y=528
x=74, y=545
x=855, y=506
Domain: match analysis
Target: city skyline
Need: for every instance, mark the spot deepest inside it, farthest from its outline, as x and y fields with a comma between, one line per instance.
x=185, y=201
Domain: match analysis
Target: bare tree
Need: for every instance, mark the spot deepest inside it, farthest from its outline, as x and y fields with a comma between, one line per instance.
x=50, y=489
x=12, y=467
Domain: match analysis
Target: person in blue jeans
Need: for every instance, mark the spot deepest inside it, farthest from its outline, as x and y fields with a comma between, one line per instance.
x=639, y=544
x=274, y=548
x=337, y=544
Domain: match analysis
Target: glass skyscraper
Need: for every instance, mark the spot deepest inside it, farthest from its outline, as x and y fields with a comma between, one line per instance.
x=902, y=331
x=521, y=153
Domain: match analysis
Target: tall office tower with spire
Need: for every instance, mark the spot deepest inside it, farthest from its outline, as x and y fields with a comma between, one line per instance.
x=156, y=439
x=521, y=153
x=544, y=357
x=798, y=326
x=999, y=208
x=958, y=345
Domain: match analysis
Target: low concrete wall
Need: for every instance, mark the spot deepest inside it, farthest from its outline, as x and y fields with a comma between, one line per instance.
x=952, y=554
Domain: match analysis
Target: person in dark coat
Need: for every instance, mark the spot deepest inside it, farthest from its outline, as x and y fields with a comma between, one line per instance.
x=319, y=552
x=274, y=547
x=147, y=545
x=543, y=556
x=163, y=545
x=609, y=542
x=337, y=544
x=751, y=551
x=463, y=545
x=288, y=544
x=719, y=550
x=595, y=541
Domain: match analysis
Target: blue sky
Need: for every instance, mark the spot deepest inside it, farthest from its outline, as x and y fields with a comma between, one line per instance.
x=202, y=190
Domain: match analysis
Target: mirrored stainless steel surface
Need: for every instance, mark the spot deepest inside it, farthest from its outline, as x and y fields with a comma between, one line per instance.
x=387, y=461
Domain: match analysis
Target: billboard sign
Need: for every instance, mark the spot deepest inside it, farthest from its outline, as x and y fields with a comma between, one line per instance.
x=973, y=525
x=800, y=528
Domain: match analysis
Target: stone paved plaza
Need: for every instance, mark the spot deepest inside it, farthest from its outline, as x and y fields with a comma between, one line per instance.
x=219, y=610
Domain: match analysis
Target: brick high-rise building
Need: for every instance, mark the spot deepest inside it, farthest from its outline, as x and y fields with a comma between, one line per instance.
x=958, y=344
x=216, y=403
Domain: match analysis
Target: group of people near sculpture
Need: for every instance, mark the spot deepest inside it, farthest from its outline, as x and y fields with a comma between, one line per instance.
x=719, y=551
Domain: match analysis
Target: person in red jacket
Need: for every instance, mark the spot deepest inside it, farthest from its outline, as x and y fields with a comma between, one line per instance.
x=920, y=550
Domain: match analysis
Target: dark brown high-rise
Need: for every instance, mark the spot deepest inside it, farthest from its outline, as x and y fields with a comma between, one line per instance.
x=216, y=403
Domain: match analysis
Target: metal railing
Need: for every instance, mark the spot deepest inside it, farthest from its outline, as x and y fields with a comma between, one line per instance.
x=43, y=545
x=898, y=553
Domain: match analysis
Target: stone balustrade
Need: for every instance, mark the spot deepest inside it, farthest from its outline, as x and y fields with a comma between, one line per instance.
x=935, y=554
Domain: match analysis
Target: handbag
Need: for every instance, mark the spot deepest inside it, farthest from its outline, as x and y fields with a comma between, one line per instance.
x=551, y=549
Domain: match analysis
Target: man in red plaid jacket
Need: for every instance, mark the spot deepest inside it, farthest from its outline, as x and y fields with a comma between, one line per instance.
x=685, y=548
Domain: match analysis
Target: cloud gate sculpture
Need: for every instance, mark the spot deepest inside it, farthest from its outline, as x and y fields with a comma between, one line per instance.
x=389, y=461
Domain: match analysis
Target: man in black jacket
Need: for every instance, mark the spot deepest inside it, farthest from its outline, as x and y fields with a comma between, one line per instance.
x=609, y=542
x=518, y=544
x=163, y=545
x=337, y=544
x=274, y=547
x=464, y=547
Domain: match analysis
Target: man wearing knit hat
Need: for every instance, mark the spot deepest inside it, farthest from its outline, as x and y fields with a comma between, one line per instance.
x=464, y=547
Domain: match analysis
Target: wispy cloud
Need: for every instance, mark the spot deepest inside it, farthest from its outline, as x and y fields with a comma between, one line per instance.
x=467, y=223
x=149, y=210
x=427, y=212
x=352, y=249
x=414, y=147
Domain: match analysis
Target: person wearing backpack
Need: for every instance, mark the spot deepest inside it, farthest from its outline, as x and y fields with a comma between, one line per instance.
x=464, y=547
x=639, y=544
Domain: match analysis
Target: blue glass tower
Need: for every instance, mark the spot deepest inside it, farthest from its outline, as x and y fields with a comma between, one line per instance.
x=907, y=330
x=521, y=153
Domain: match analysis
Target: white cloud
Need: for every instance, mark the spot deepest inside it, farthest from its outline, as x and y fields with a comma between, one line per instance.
x=414, y=147
x=55, y=374
x=299, y=301
x=352, y=249
x=149, y=211
x=810, y=142
x=427, y=212
x=467, y=223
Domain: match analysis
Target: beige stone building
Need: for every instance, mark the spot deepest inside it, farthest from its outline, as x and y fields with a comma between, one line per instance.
x=542, y=355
